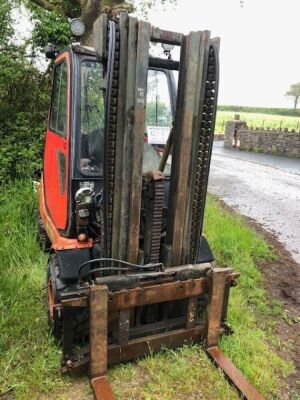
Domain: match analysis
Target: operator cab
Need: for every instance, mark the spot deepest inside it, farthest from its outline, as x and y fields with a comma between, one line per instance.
x=74, y=148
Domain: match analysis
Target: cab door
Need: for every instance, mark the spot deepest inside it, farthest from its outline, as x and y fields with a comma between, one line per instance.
x=56, y=157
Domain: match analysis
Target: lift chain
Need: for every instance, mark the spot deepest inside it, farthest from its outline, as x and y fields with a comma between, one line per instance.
x=204, y=153
x=154, y=202
x=111, y=141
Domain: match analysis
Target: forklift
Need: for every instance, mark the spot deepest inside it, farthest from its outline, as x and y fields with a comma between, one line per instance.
x=122, y=198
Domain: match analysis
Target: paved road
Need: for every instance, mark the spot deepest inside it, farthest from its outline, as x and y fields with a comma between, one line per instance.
x=263, y=187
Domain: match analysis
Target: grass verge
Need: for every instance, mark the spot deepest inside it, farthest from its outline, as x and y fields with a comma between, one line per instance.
x=29, y=358
x=258, y=120
x=290, y=112
x=250, y=313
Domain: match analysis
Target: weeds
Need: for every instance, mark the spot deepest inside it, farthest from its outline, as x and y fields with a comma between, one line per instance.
x=28, y=355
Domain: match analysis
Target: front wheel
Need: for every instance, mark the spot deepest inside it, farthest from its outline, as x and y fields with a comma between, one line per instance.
x=54, y=314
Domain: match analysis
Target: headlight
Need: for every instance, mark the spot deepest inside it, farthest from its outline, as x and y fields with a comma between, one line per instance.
x=77, y=27
x=84, y=196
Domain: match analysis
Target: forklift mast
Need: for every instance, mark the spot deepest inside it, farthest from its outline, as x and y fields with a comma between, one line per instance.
x=134, y=225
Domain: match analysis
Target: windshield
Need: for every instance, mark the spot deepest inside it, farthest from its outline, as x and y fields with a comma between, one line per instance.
x=91, y=118
x=158, y=121
x=92, y=115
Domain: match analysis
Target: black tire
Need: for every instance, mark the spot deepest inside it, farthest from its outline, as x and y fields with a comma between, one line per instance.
x=55, y=317
x=43, y=238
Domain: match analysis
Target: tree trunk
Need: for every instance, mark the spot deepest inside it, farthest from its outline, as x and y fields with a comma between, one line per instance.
x=296, y=102
x=90, y=11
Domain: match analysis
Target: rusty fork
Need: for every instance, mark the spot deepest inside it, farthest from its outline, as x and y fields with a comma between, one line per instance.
x=218, y=280
x=98, y=343
x=218, y=296
x=233, y=374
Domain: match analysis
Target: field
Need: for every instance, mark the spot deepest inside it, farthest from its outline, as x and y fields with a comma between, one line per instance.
x=30, y=358
x=258, y=120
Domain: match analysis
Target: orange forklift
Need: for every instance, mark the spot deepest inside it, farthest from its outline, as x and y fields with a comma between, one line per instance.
x=122, y=199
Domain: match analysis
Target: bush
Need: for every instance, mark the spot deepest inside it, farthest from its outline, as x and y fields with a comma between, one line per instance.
x=24, y=93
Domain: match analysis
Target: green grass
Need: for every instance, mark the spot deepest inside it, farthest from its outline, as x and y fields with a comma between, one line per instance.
x=29, y=358
x=261, y=110
x=250, y=314
x=258, y=120
x=183, y=374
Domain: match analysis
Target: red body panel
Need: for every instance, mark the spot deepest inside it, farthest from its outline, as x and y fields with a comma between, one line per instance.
x=56, y=200
x=56, y=192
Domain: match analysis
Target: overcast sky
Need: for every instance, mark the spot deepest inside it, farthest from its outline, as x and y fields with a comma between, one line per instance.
x=259, y=52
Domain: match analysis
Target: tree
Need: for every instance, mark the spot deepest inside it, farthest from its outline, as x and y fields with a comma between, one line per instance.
x=49, y=28
x=24, y=98
x=6, y=21
x=294, y=92
x=89, y=10
x=158, y=114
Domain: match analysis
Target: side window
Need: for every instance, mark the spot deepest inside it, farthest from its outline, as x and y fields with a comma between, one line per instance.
x=58, y=113
x=91, y=118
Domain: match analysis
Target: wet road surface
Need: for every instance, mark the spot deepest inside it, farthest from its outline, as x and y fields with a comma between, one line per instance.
x=263, y=187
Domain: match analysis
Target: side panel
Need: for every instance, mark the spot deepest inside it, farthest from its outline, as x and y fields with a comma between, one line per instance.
x=56, y=157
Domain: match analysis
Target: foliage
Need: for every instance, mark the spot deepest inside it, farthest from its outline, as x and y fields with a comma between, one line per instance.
x=294, y=92
x=23, y=107
x=50, y=28
x=23, y=104
x=158, y=114
x=67, y=8
x=6, y=29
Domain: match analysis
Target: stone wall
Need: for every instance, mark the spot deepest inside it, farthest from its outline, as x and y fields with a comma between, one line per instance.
x=281, y=142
